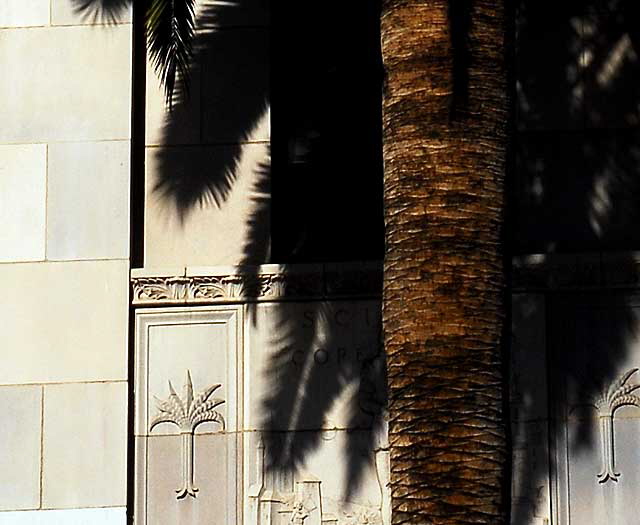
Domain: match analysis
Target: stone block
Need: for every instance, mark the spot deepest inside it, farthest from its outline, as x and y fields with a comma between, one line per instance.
x=595, y=356
x=315, y=365
x=586, y=497
x=88, y=201
x=87, y=93
x=207, y=205
x=20, y=413
x=89, y=12
x=23, y=176
x=179, y=126
x=214, y=477
x=193, y=355
x=196, y=349
x=235, y=85
x=104, y=516
x=17, y=13
x=64, y=322
x=85, y=445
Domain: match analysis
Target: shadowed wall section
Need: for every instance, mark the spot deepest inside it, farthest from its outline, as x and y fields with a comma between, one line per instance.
x=204, y=158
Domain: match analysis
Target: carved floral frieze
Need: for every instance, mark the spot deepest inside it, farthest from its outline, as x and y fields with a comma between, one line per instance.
x=536, y=272
x=254, y=284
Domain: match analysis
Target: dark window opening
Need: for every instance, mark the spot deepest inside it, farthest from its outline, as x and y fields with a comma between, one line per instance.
x=326, y=132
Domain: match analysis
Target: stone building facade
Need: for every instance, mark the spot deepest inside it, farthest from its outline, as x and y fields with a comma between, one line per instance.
x=159, y=368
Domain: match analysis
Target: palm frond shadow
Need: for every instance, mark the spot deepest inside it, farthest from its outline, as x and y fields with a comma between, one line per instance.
x=312, y=372
x=579, y=192
x=230, y=90
x=257, y=247
x=589, y=337
x=229, y=95
x=106, y=12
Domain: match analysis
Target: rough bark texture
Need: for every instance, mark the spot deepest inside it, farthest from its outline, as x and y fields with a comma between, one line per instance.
x=445, y=156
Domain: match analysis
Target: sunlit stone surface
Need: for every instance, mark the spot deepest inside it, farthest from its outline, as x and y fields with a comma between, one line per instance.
x=103, y=516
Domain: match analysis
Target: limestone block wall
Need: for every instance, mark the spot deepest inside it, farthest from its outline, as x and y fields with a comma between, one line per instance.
x=64, y=260
x=208, y=160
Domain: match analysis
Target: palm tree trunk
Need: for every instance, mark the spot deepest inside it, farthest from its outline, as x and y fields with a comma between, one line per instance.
x=445, y=116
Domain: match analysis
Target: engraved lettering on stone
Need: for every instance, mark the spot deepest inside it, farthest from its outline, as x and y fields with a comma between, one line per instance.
x=618, y=394
x=187, y=414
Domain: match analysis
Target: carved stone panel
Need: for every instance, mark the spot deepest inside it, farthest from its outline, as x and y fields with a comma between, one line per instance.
x=266, y=413
x=596, y=433
x=188, y=409
x=585, y=495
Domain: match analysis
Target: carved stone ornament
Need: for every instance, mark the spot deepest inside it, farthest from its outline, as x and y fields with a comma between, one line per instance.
x=298, y=500
x=617, y=395
x=187, y=414
x=268, y=283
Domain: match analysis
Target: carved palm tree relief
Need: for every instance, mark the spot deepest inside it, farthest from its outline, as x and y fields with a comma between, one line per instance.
x=187, y=414
x=618, y=394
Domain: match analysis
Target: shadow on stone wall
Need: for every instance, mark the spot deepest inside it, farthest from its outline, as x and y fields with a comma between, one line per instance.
x=326, y=164
x=577, y=188
x=101, y=11
x=577, y=182
x=307, y=376
x=231, y=65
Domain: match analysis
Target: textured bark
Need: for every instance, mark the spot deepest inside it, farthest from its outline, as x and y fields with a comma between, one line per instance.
x=445, y=156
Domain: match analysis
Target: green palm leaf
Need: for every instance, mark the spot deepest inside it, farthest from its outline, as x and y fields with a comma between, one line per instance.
x=170, y=28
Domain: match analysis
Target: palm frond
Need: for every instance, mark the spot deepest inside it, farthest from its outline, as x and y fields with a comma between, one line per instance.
x=170, y=29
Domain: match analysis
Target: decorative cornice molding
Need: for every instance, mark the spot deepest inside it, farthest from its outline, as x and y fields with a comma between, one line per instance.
x=260, y=283
x=233, y=284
